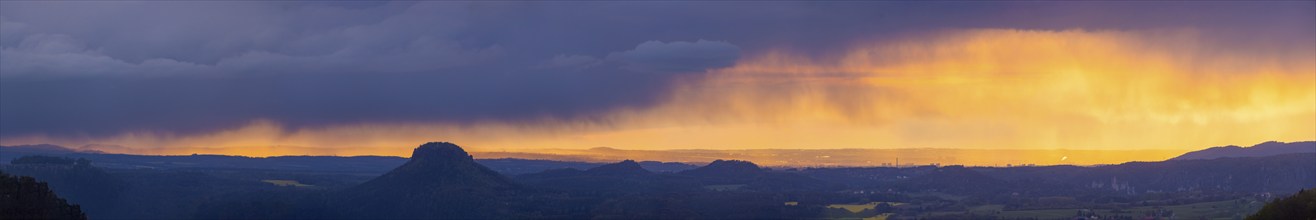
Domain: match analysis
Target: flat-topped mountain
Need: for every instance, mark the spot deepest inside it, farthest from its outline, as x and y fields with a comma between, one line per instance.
x=727, y=169
x=440, y=180
x=439, y=165
x=1269, y=148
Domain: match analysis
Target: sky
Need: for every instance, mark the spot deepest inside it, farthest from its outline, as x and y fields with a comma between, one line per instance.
x=375, y=77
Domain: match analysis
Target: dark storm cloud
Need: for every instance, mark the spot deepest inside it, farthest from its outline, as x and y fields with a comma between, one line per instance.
x=103, y=68
x=678, y=57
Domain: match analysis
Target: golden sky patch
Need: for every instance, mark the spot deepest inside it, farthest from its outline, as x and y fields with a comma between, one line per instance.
x=976, y=89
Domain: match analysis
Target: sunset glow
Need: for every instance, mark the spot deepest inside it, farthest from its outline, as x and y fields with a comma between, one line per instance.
x=458, y=109
x=972, y=89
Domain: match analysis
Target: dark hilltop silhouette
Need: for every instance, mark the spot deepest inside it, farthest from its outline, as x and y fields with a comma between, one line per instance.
x=442, y=181
x=624, y=168
x=1269, y=148
x=25, y=198
x=439, y=180
x=734, y=169
x=438, y=165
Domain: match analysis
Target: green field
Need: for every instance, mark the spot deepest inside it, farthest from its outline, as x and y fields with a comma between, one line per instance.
x=882, y=216
x=1228, y=209
x=860, y=207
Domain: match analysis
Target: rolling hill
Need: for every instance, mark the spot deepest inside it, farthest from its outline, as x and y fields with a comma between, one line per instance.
x=1270, y=148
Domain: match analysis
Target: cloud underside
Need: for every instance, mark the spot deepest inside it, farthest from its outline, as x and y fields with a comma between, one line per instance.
x=188, y=103
x=355, y=78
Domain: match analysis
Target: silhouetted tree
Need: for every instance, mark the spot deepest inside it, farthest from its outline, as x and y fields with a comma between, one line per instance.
x=25, y=198
x=1299, y=206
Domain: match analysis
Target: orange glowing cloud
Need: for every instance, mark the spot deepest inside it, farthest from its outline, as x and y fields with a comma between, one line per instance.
x=983, y=89
x=1024, y=89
